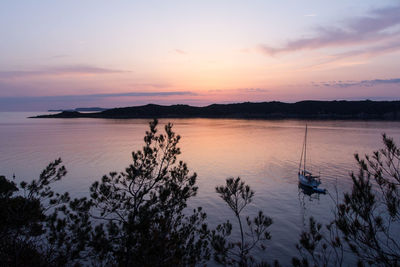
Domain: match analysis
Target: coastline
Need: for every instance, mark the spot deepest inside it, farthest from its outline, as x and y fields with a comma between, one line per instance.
x=321, y=110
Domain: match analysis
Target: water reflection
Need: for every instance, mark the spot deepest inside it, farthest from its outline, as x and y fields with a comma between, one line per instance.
x=310, y=192
x=263, y=153
x=306, y=195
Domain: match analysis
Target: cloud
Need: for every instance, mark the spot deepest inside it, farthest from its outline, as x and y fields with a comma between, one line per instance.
x=363, y=83
x=179, y=51
x=59, y=56
x=91, y=96
x=58, y=70
x=215, y=90
x=153, y=85
x=170, y=93
x=240, y=90
x=69, y=101
x=254, y=90
x=362, y=54
x=366, y=30
x=390, y=46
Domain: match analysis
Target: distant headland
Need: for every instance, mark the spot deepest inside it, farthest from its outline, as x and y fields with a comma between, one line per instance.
x=364, y=110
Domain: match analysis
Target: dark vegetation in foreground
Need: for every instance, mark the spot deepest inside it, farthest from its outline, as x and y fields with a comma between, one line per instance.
x=370, y=110
x=139, y=218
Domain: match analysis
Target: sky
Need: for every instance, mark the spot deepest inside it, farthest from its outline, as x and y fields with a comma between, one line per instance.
x=69, y=54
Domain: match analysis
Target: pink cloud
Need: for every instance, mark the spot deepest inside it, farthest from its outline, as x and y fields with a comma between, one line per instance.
x=58, y=70
x=364, y=30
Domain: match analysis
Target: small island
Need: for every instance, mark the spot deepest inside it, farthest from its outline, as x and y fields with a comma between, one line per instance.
x=364, y=110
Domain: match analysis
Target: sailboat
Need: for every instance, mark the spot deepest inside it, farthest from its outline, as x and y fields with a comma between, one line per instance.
x=306, y=178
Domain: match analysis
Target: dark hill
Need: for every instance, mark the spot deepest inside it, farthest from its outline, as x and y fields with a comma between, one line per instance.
x=380, y=110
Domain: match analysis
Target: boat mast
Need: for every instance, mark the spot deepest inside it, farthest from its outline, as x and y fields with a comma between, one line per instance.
x=303, y=152
x=305, y=148
x=301, y=157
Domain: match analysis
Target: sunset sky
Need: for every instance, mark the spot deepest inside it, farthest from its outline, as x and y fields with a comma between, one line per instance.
x=68, y=54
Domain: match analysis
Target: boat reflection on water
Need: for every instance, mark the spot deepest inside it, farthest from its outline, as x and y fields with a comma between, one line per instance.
x=307, y=194
x=311, y=192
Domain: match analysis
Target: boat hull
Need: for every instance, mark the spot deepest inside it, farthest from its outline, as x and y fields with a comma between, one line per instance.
x=308, y=181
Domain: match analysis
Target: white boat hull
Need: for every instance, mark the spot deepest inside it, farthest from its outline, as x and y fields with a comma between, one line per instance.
x=309, y=181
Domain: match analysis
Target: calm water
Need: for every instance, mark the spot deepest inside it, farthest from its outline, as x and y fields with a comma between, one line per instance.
x=264, y=153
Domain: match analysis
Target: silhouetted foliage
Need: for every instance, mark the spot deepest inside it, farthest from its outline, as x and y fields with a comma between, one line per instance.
x=143, y=209
x=25, y=218
x=238, y=253
x=366, y=222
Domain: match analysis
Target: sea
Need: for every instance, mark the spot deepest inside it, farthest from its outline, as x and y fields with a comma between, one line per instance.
x=265, y=154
